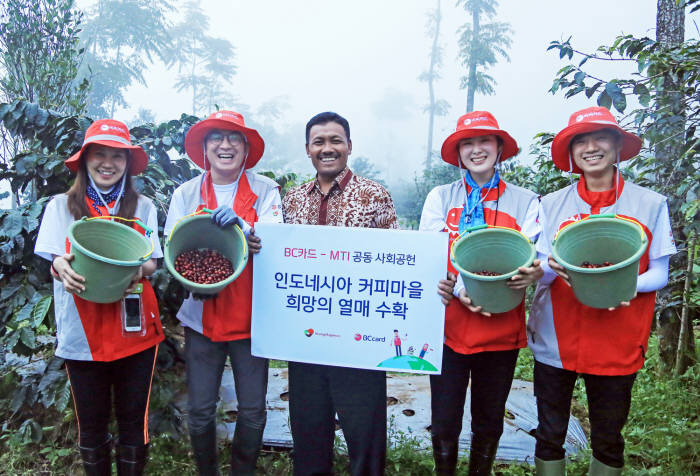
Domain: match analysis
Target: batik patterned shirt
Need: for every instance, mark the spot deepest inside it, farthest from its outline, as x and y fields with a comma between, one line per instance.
x=352, y=201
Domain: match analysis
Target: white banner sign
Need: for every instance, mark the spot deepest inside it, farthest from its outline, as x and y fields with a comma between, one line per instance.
x=351, y=297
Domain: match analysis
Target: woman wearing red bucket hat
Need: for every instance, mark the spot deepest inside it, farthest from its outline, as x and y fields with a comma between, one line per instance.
x=219, y=327
x=477, y=344
x=605, y=347
x=102, y=353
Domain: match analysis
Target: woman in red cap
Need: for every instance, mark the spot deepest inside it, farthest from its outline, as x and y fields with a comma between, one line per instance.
x=103, y=355
x=478, y=345
x=218, y=328
x=567, y=338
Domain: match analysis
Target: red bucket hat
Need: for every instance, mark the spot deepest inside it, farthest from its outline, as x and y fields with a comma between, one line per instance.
x=585, y=121
x=112, y=134
x=228, y=121
x=474, y=124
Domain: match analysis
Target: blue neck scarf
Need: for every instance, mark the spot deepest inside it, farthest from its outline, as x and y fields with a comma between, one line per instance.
x=108, y=197
x=473, y=211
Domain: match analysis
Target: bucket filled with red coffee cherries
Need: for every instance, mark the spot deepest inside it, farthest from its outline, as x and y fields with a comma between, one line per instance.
x=204, y=257
x=601, y=255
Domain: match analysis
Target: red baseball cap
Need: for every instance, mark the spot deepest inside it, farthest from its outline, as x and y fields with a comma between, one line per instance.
x=228, y=121
x=589, y=120
x=474, y=124
x=110, y=133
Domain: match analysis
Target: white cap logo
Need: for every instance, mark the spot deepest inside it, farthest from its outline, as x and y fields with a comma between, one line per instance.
x=104, y=127
x=581, y=117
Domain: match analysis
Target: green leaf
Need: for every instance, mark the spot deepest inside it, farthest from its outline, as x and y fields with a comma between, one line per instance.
x=40, y=310
x=27, y=337
x=12, y=224
x=604, y=100
x=643, y=93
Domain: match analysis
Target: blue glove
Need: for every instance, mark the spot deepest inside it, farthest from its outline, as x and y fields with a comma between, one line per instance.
x=225, y=216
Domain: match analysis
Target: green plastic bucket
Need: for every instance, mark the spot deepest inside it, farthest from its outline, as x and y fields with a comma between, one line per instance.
x=108, y=255
x=197, y=232
x=597, y=239
x=501, y=250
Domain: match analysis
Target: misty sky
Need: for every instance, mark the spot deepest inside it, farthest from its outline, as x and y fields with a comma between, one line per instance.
x=362, y=59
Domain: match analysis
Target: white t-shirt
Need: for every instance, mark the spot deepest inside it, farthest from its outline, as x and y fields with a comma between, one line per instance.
x=53, y=232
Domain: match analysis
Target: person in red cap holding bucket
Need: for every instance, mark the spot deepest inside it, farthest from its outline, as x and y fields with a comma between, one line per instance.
x=219, y=327
x=606, y=347
x=103, y=354
x=477, y=344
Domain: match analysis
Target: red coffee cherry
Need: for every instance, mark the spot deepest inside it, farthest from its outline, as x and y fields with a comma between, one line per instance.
x=203, y=266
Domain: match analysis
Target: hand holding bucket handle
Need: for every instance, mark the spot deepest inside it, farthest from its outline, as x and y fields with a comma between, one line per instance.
x=72, y=281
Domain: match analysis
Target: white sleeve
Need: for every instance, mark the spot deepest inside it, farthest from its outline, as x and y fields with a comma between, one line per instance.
x=176, y=211
x=152, y=223
x=543, y=244
x=662, y=243
x=531, y=226
x=655, y=277
x=433, y=216
x=270, y=208
x=52, y=232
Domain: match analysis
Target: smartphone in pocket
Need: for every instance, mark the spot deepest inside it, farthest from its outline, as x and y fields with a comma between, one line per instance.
x=132, y=321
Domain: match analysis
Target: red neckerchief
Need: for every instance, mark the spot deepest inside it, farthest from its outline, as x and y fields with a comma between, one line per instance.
x=242, y=203
x=598, y=200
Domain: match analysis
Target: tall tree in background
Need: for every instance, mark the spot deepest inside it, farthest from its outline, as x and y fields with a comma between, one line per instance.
x=39, y=60
x=120, y=37
x=205, y=64
x=480, y=45
x=670, y=33
x=435, y=107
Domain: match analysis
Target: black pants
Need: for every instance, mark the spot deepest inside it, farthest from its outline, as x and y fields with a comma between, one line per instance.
x=205, y=367
x=94, y=383
x=491, y=376
x=609, y=399
x=316, y=393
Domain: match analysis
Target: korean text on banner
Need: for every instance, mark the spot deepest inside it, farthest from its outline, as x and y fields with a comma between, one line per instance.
x=352, y=297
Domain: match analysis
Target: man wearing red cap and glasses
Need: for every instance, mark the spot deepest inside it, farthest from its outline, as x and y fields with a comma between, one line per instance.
x=477, y=345
x=606, y=347
x=219, y=327
x=103, y=355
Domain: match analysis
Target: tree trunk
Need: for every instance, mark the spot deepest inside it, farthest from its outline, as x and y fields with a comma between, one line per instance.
x=670, y=32
x=431, y=75
x=471, y=85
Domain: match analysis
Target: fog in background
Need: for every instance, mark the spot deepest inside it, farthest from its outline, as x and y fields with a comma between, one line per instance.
x=362, y=59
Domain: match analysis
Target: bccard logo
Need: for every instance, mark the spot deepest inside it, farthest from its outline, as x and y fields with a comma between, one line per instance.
x=369, y=338
x=219, y=115
x=104, y=127
x=309, y=332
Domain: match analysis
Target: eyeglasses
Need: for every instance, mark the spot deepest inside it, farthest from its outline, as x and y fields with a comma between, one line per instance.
x=234, y=138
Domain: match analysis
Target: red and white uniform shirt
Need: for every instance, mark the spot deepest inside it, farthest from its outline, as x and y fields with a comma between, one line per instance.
x=509, y=206
x=255, y=198
x=87, y=330
x=566, y=334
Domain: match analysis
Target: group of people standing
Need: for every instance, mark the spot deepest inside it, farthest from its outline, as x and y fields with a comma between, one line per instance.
x=108, y=366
